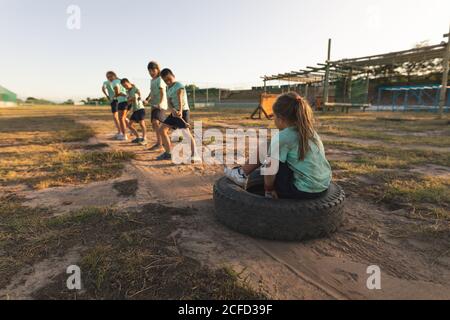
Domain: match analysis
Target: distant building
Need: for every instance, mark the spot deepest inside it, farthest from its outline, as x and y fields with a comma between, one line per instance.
x=7, y=98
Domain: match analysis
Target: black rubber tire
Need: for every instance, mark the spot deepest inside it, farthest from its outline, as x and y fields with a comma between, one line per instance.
x=284, y=220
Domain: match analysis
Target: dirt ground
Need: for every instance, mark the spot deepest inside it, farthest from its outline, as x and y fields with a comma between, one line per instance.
x=409, y=241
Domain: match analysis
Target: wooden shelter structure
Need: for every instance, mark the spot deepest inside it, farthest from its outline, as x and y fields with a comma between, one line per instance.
x=363, y=67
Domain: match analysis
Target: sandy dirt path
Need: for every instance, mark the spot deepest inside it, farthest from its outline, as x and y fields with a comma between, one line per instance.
x=334, y=268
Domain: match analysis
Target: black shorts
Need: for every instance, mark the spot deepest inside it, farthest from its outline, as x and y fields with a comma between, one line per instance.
x=158, y=114
x=178, y=123
x=138, y=116
x=123, y=106
x=284, y=185
x=114, y=106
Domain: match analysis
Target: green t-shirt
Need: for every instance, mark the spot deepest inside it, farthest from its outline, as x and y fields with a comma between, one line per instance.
x=155, y=92
x=312, y=175
x=109, y=88
x=136, y=104
x=172, y=95
x=117, y=83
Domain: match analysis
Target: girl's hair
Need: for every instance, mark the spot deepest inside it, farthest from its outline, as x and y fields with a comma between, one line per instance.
x=153, y=65
x=166, y=72
x=292, y=108
x=111, y=73
x=125, y=80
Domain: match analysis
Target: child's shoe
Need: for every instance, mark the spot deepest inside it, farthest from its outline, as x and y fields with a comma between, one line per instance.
x=238, y=176
x=143, y=142
x=196, y=158
x=164, y=156
x=137, y=140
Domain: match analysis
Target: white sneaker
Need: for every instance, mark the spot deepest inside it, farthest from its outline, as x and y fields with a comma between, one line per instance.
x=237, y=176
x=119, y=137
x=196, y=158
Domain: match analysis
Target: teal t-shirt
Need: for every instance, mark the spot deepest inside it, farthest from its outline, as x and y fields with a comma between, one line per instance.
x=109, y=88
x=172, y=95
x=312, y=175
x=117, y=83
x=155, y=92
x=136, y=104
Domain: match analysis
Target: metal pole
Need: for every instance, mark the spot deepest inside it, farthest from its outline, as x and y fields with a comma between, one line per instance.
x=207, y=97
x=368, y=88
x=326, y=85
x=193, y=94
x=445, y=62
x=349, y=88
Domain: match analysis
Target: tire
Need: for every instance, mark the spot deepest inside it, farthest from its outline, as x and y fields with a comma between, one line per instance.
x=283, y=220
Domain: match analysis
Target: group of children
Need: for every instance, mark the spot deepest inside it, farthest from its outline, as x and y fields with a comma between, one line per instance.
x=166, y=95
x=304, y=171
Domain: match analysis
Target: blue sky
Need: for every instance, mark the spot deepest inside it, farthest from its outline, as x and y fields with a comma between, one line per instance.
x=208, y=42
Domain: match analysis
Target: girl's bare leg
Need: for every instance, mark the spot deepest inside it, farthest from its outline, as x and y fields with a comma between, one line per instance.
x=116, y=121
x=164, y=132
x=249, y=168
x=123, y=122
x=193, y=144
x=156, y=127
x=133, y=130
x=144, y=129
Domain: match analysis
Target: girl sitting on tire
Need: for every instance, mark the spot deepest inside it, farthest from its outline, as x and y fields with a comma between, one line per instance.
x=304, y=172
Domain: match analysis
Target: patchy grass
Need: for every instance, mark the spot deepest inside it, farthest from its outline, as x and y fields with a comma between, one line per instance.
x=426, y=190
x=407, y=158
x=54, y=166
x=35, y=150
x=419, y=129
x=124, y=255
x=127, y=188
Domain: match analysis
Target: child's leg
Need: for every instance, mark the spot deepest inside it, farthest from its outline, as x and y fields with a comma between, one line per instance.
x=164, y=133
x=116, y=121
x=132, y=129
x=123, y=123
x=249, y=168
x=193, y=144
x=144, y=129
x=156, y=126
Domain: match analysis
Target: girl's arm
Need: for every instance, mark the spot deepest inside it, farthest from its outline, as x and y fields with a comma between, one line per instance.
x=137, y=96
x=269, y=186
x=118, y=93
x=180, y=97
x=149, y=97
x=105, y=93
x=161, y=95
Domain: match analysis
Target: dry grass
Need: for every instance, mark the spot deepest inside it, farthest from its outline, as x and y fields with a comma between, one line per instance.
x=38, y=150
x=124, y=255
